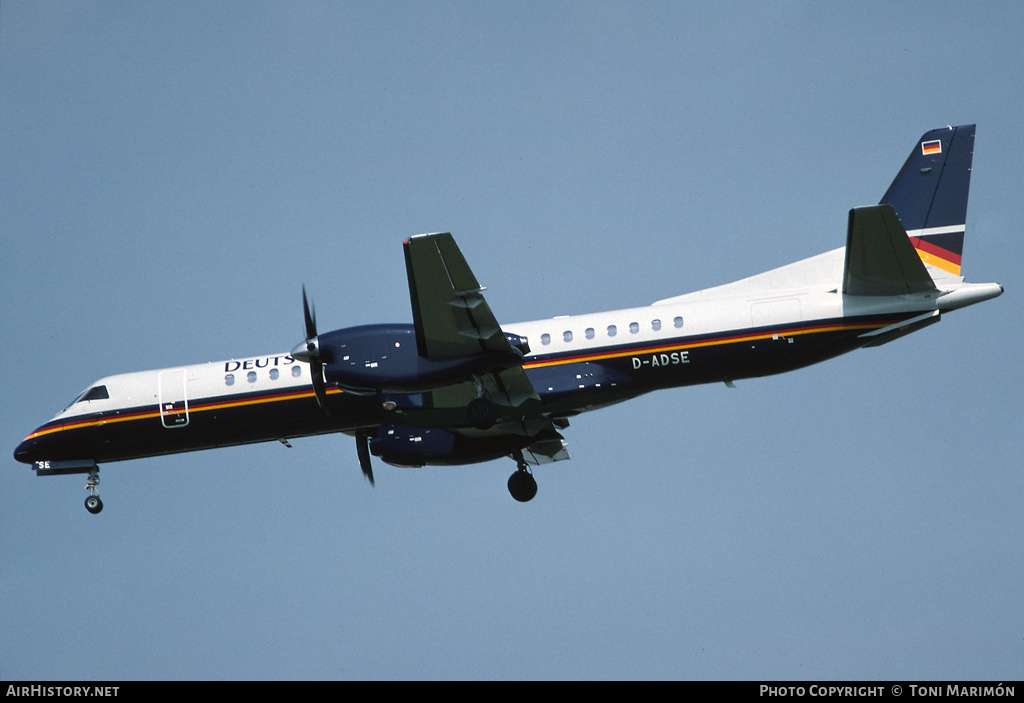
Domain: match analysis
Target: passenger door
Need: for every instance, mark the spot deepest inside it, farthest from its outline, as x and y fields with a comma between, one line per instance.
x=173, y=398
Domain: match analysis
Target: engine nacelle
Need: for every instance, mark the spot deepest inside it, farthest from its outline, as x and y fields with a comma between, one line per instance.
x=385, y=359
x=518, y=342
x=412, y=447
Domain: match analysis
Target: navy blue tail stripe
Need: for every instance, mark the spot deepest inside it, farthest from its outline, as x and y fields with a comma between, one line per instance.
x=932, y=187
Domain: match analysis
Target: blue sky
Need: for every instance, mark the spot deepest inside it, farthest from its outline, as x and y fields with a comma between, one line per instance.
x=173, y=173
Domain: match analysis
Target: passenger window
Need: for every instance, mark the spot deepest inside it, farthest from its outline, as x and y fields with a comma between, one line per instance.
x=229, y=380
x=678, y=322
x=655, y=325
x=545, y=338
x=251, y=377
x=612, y=331
x=567, y=336
x=589, y=333
x=634, y=327
x=274, y=373
x=296, y=370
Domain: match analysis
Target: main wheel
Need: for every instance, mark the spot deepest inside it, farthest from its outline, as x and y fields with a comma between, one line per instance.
x=481, y=413
x=522, y=486
x=93, y=504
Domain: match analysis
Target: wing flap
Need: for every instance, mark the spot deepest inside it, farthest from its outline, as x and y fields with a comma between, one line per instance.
x=546, y=450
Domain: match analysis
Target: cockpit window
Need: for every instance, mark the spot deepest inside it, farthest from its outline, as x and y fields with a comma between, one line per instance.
x=96, y=393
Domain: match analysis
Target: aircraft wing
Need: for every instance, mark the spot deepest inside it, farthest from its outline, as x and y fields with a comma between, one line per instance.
x=452, y=318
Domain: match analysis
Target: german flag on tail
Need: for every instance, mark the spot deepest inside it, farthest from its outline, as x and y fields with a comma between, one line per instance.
x=930, y=195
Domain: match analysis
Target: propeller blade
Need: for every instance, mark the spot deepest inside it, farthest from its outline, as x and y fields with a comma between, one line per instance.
x=309, y=351
x=316, y=370
x=363, y=450
x=310, y=317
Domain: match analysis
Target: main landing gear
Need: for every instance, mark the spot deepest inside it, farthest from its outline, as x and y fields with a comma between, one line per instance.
x=522, y=484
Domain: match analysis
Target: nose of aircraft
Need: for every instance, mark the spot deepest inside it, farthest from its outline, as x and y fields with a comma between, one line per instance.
x=27, y=451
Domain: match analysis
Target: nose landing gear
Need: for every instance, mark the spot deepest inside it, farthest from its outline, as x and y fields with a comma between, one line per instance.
x=77, y=466
x=92, y=502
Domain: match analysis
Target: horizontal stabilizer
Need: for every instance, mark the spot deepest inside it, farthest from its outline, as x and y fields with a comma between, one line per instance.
x=880, y=260
x=877, y=338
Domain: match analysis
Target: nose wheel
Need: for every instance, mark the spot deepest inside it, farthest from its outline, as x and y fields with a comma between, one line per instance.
x=92, y=502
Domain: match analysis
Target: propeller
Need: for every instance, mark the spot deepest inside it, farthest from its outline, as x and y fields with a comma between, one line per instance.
x=363, y=450
x=309, y=352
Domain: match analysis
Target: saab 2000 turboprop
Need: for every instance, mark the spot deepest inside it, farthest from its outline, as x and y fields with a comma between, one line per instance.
x=455, y=387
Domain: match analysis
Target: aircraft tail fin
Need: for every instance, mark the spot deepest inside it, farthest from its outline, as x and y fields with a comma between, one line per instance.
x=929, y=196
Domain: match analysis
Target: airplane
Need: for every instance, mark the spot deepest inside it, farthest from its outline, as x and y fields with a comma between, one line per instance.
x=456, y=387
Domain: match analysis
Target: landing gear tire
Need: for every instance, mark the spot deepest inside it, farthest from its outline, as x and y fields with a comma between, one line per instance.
x=481, y=413
x=522, y=485
x=93, y=504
